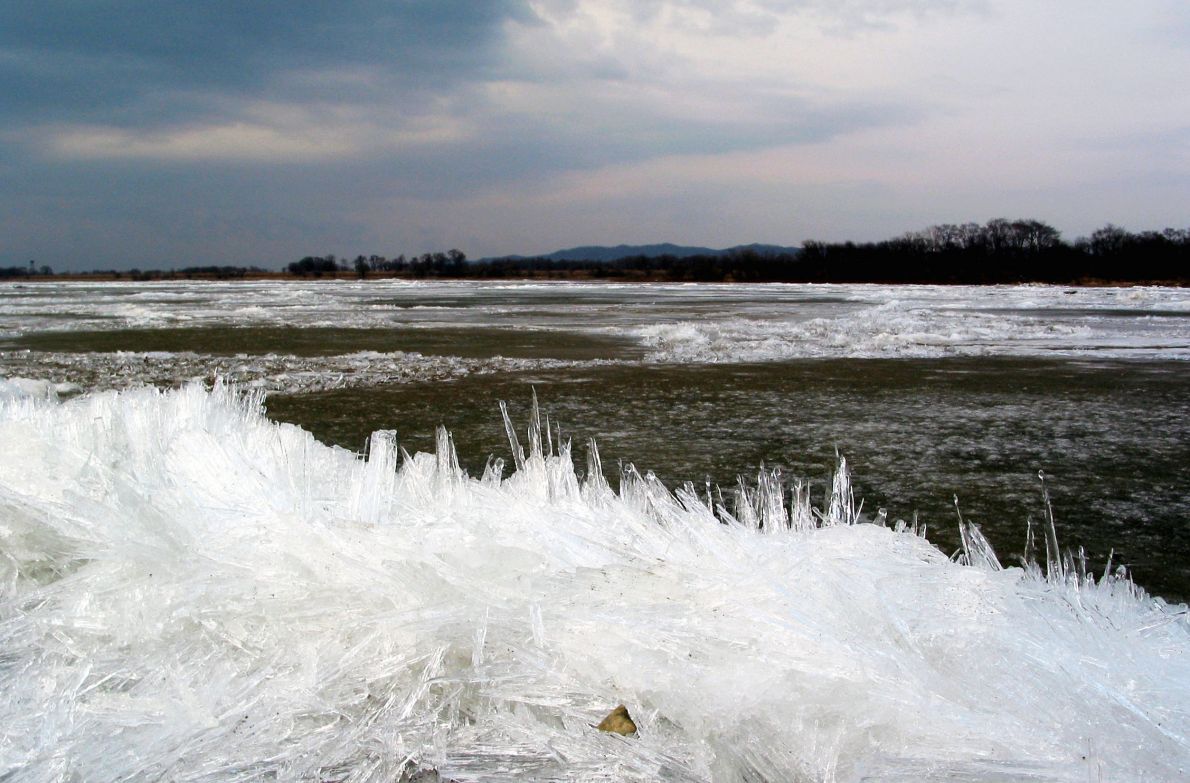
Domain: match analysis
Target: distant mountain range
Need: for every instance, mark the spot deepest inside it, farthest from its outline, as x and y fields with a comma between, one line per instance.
x=604, y=253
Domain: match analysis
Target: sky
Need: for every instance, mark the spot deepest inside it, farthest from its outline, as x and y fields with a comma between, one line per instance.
x=160, y=134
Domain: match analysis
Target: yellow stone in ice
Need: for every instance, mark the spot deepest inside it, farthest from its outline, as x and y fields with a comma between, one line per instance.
x=618, y=721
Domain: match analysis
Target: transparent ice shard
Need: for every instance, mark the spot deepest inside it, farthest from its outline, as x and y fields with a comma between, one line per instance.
x=192, y=592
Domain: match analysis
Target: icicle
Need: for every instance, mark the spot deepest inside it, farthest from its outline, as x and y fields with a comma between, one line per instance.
x=493, y=471
x=1029, y=558
x=770, y=498
x=745, y=506
x=1055, y=569
x=802, y=515
x=374, y=490
x=518, y=454
x=595, y=483
x=1107, y=567
x=977, y=551
x=446, y=458
x=535, y=449
x=841, y=503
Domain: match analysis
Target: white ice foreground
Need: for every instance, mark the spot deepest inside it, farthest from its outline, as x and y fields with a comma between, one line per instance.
x=191, y=592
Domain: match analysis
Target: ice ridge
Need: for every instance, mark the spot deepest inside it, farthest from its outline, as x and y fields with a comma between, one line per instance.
x=189, y=591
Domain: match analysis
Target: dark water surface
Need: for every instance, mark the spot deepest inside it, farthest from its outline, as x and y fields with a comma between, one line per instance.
x=466, y=342
x=1112, y=437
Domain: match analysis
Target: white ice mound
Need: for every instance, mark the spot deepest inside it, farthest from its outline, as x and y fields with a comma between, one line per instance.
x=890, y=329
x=17, y=388
x=191, y=592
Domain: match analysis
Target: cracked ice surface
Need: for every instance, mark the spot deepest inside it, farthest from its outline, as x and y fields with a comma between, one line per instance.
x=268, y=372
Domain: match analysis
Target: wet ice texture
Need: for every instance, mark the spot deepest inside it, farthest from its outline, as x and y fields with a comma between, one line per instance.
x=673, y=323
x=190, y=592
x=283, y=373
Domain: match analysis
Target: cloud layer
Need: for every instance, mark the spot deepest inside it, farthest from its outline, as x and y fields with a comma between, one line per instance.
x=165, y=133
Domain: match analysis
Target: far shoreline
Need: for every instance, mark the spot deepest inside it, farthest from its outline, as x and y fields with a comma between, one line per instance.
x=544, y=276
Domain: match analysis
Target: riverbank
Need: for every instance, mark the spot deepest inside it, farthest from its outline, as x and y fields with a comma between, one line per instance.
x=625, y=276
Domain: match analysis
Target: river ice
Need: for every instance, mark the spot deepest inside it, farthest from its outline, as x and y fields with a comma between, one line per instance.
x=669, y=323
x=189, y=591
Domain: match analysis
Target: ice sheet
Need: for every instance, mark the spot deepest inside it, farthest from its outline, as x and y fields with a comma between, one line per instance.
x=270, y=372
x=791, y=320
x=668, y=324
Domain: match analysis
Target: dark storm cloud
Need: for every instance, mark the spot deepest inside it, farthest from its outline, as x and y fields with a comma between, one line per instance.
x=139, y=61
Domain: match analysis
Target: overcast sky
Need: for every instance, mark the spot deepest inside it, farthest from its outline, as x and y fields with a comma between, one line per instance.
x=162, y=133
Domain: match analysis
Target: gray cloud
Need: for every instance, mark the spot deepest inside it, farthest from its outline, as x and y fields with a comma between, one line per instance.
x=734, y=17
x=401, y=84
x=113, y=94
x=162, y=133
x=145, y=61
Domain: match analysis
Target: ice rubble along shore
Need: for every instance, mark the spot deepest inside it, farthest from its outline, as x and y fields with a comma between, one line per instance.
x=192, y=592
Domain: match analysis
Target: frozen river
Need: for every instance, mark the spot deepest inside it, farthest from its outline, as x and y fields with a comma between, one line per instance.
x=472, y=612
x=931, y=391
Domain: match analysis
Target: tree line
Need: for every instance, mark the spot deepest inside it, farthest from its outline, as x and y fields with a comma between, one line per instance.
x=999, y=251
x=23, y=271
x=1004, y=251
x=215, y=272
x=452, y=263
